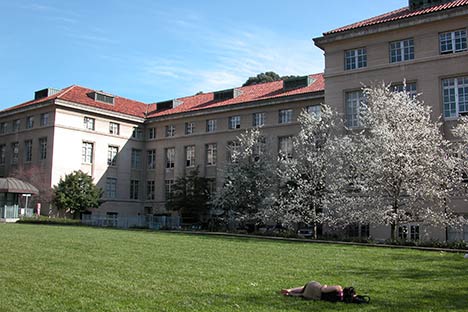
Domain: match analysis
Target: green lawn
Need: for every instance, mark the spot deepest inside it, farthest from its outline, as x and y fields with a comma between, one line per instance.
x=56, y=268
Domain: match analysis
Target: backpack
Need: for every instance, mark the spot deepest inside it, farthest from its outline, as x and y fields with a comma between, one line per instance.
x=349, y=296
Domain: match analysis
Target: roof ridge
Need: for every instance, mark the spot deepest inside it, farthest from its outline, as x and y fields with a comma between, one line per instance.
x=63, y=92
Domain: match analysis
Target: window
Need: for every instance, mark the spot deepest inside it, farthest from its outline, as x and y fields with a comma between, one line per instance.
x=234, y=122
x=112, y=152
x=190, y=156
x=88, y=123
x=401, y=50
x=29, y=122
x=114, y=128
x=111, y=187
x=151, y=133
x=211, y=154
x=137, y=133
x=233, y=149
x=410, y=88
x=258, y=119
x=3, y=128
x=170, y=157
x=408, y=232
x=285, y=147
x=211, y=125
x=170, y=130
x=151, y=158
x=134, y=185
x=14, y=152
x=189, y=127
x=42, y=148
x=353, y=104
x=285, y=116
x=314, y=111
x=2, y=154
x=168, y=188
x=211, y=186
x=453, y=41
x=44, y=119
x=259, y=148
x=455, y=96
x=150, y=188
x=356, y=58
x=136, y=158
x=16, y=125
x=87, y=153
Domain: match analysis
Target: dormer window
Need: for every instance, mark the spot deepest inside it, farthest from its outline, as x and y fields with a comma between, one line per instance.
x=103, y=97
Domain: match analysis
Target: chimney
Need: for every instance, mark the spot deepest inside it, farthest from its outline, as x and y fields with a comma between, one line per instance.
x=45, y=93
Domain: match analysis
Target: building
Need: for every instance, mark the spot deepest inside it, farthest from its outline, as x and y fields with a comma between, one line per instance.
x=424, y=44
x=135, y=151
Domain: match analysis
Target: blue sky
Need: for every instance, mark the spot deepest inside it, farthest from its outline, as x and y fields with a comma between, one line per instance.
x=158, y=50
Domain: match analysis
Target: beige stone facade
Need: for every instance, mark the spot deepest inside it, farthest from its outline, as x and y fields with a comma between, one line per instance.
x=425, y=68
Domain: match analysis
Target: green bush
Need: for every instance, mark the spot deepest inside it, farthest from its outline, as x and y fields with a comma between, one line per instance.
x=51, y=221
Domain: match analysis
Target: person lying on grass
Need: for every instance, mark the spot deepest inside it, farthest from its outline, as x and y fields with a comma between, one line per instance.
x=315, y=291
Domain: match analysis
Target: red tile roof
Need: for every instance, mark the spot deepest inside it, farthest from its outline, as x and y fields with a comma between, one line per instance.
x=82, y=96
x=399, y=15
x=251, y=93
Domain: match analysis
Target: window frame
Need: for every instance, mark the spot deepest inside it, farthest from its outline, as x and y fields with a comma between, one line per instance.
x=234, y=122
x=285, y=116
x=453, y=41
x=44, y=121
x=114, y=128
x=454, y=96
x=401, y=54
x=112, y=154
x=289, y=151
x=29, y=122
x=189, y=128
x=42, y=148
x=151, y=158
x=89, y=123
x=258, y=119
x=211, y=154
x=150, y=189
x=151, y=133
x=134, y=189
x=170, y=155
x=170, y=131
x=135, y=159
x=111, y=188
x=354, y=122
x=190, y=156
x=355, y=58
x=87, y=152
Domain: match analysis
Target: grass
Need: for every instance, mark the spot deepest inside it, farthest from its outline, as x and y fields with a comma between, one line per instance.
x=63, y=268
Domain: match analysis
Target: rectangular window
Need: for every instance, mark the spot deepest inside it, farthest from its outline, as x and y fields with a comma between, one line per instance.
x=258, y=119
x=211, y=154
x=233, y=148
x=14, y=152
x=170, y=130
x=402, y=50
x=112, y=152
x=42, y=148
x=211, y=125
x=89, y=123
x=356, y=58
x=16, y=125
x=190, y=156
x=136, y=158
x=137, y=133
x=29, y=122
x=453, y=41
x=2, y=154
x=285, y=116
x=44, y=119
x=170, y=157
x=114, y=128
x=410, y=88
x=408, y=232
x=285, y=147
x=150, y=189
x=3, y=128
x=352, y=106
x=87, y=153
x=189, y=127
x=234, y=122
x=259, y=148
x=211, y=186
x=111, y=187
x=314, y=111
x=134, y=189
x=151, y=158
x=455, y=96
x=151, y=133
x=168, y=184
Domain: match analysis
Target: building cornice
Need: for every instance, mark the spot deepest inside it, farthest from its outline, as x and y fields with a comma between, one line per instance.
x=390, y=25
x=238, y=106
x=26, y=108
x=96, y=110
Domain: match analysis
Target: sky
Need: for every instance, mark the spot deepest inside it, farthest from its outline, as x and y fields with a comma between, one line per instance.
x=152, y=50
